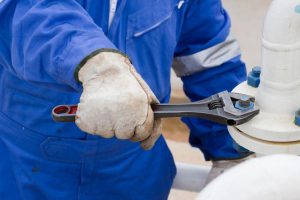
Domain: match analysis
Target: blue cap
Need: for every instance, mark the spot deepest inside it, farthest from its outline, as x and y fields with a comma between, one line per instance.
x=254, y=77
x=297, y=118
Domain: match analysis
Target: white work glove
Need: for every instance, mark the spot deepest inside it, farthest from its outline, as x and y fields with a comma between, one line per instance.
x=116, y=101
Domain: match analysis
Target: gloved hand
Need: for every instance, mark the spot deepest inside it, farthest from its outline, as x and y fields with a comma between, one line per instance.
x=116, y=101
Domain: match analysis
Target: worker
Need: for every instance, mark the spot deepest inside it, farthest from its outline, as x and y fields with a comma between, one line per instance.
x=114, y=58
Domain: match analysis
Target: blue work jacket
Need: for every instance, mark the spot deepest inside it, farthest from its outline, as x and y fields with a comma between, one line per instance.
x=42, y=42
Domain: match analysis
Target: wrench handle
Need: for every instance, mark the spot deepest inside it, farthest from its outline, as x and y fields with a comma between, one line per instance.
x=67, y=113
x=64, y=113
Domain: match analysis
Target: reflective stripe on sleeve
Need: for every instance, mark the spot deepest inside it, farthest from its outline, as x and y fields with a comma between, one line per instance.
x=208, y=58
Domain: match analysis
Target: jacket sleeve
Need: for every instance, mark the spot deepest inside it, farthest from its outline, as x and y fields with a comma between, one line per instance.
x=207, y=59
x=44, y=41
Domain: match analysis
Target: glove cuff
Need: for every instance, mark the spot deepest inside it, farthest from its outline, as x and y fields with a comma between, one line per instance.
x=91, y=55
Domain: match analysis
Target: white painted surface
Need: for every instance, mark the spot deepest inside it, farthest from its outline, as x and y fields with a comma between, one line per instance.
x=190, y=177
x=265, y=178
x=278, y=96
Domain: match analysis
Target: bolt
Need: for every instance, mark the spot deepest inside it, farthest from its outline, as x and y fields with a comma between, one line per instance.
x=244, y=103
x=254, y=77
x=297, y=9
x=256, y=71
x=297, y=118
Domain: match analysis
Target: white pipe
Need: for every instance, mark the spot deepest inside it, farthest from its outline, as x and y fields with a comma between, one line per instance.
x=190, y=177
x=273, y=177
x=278, y=92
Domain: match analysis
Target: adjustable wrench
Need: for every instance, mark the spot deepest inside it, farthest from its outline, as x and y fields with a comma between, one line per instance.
x=226, y=108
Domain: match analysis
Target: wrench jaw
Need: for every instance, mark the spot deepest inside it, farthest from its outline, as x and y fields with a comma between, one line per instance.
x=219, y=108
x=222, y=118
x=234, y=115
x=234, y=120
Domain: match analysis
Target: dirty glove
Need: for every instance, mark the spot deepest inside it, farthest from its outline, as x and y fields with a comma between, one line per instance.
x=116, y=100
x=220, y=166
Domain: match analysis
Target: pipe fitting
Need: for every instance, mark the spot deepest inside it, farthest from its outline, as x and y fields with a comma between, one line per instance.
x=277, y=127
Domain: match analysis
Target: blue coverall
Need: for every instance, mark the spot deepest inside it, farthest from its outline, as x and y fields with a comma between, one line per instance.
x=41, y=44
